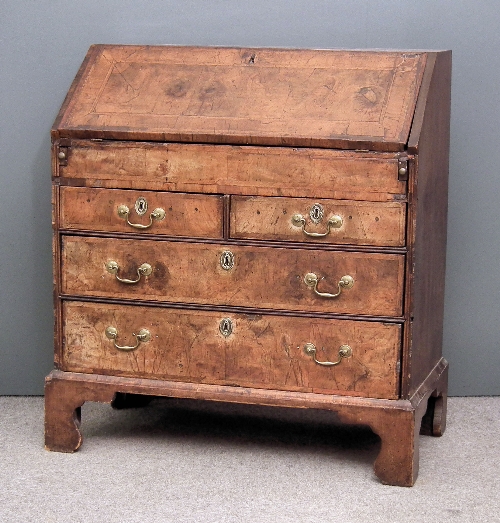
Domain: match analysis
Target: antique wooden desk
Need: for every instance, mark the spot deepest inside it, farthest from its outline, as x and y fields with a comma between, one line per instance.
x=255, y=226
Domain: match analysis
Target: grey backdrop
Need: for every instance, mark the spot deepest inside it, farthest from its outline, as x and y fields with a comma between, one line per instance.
x=43, y=42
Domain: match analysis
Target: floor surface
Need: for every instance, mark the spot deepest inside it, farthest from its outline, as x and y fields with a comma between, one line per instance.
x=185, y=461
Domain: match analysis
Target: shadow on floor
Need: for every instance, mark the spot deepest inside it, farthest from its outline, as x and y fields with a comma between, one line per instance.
x=193, y=421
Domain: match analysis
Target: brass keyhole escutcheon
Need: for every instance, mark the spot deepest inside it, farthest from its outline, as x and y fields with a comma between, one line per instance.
x=226, y=327
x=316, y=213
x=141, y=206
x=227, y=260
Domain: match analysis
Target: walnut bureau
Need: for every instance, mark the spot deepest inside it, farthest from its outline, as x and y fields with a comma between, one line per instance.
x=259, y=226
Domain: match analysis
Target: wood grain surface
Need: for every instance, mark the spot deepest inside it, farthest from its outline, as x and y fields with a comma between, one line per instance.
x=266, y=171
x=263, y=351
x=262, y=277
x=363, y=223
x=97, y=210
x=342, y=99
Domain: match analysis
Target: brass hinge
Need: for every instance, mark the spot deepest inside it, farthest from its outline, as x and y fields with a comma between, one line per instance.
x=403, y=168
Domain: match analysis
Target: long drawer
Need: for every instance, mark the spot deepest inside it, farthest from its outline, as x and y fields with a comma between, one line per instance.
x=262, y=351
x=245, y=276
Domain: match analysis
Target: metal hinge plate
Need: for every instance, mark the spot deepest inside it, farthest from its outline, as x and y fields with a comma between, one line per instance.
x=403, y=168
x=62, y=151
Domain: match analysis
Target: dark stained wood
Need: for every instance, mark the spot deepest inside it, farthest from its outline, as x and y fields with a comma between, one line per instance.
x=320, y=98
x=189, y=215
x=397, y=462
x=434, y=420
x=262, y=277
x=363, y=223
x=263, y=351
x=429, y=216
x=266, y=171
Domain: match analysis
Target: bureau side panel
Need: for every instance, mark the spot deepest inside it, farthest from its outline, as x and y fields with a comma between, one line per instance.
x=429, y=214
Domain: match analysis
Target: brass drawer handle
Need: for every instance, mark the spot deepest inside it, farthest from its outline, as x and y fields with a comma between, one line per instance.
x=344, y=352
x=311, y=280
x=157, y=214
x=144, y=270
x=143, y=336
x=334, y=222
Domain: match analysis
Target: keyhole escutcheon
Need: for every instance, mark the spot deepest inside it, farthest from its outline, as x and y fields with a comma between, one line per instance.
x=227, y=260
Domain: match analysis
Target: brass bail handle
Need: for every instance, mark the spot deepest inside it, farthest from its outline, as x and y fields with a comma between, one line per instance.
x=344, y=352
x=334, y=222
x=312, y=280
x=143, y=336
x=143, y=270
x=157, y=214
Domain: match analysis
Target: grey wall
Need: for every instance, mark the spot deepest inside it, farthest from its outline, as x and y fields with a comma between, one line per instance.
x=43, y=42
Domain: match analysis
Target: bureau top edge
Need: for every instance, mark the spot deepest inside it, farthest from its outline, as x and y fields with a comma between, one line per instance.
x=334, y=99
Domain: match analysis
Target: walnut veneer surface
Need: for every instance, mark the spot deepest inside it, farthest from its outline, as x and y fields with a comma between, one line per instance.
x=263, y=226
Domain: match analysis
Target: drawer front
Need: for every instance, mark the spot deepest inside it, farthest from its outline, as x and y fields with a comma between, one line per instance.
x=246, y=170
x=262, y=351
x=104, y=210
x=245, y=276
x=320, y=221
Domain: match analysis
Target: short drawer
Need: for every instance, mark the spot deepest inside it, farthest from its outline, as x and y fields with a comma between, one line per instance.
x=244, y=276
x=262, y=351
x=144, y=212
x=321, y=221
